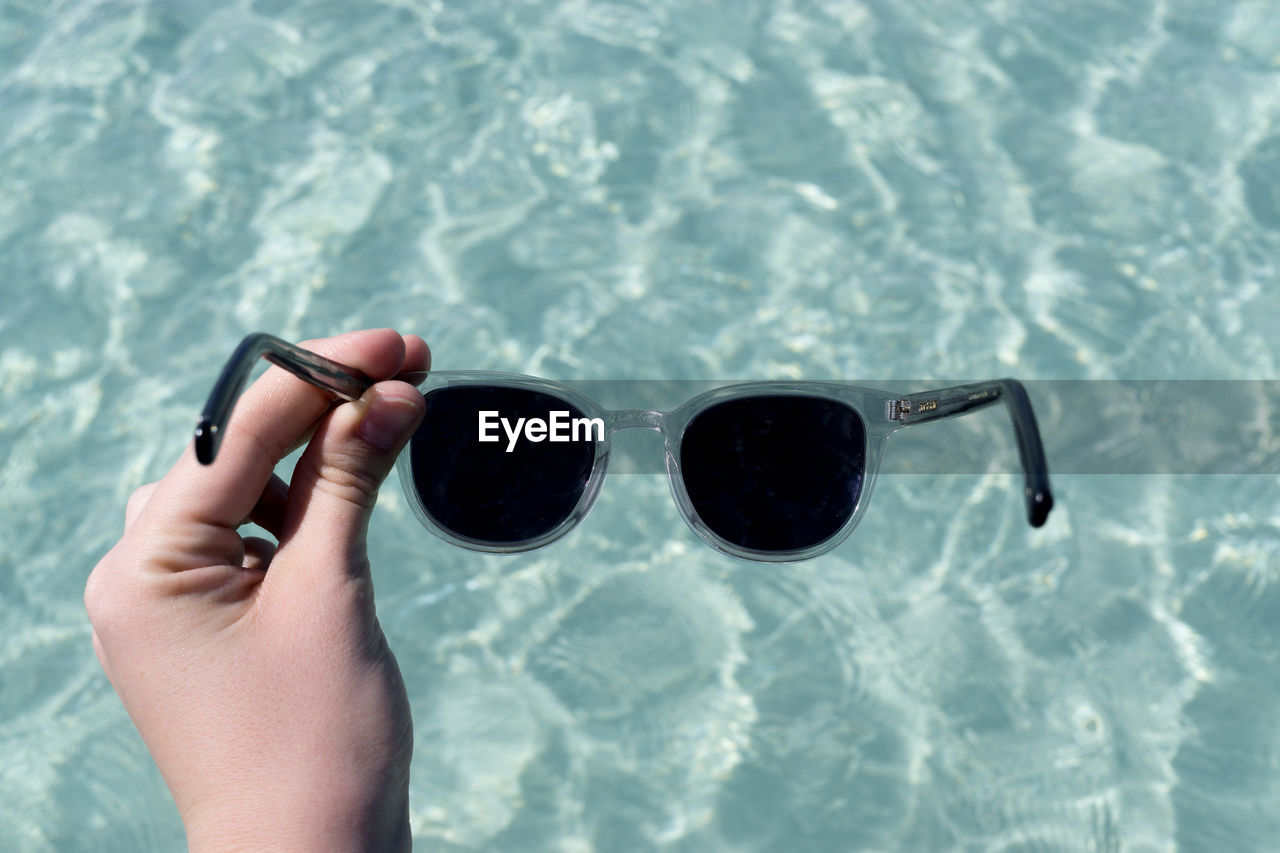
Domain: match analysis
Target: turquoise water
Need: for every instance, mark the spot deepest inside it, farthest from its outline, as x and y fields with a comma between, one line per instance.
x=679, y=190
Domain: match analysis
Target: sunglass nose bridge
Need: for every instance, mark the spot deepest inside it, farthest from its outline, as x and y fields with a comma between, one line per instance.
x=636, y=419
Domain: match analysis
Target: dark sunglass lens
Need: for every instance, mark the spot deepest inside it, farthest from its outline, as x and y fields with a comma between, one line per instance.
x=504, y=490
x=777, y=473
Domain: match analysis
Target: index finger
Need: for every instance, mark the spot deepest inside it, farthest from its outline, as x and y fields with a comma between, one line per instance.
x=268, y=419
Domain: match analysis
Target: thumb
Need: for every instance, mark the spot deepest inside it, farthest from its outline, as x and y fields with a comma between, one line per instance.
x=336, y=482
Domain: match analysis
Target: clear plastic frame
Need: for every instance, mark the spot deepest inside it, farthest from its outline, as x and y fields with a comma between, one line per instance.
x=880, y=412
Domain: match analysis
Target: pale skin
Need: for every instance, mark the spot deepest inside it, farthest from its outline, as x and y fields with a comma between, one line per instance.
x=269, y=699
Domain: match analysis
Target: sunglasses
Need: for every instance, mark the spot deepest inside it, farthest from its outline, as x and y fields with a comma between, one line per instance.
x=769, y=471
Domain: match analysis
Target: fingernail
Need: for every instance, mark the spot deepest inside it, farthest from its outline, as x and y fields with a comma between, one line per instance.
x=386, y=421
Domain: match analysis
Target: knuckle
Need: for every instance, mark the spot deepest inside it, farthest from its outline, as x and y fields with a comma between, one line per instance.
x=351, y=483
x=141, y=493
x=138, y=499
x=93, y=597
x=101, y=599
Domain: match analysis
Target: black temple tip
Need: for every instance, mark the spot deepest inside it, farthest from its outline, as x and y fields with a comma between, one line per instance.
x=207, y=440
x=1038, y=505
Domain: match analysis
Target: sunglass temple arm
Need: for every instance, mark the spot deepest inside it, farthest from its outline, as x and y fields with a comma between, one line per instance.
x=950, y=402
x=344, y=382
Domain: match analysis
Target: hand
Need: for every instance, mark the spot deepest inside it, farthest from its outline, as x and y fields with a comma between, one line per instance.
x=269, y=699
